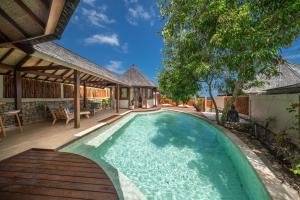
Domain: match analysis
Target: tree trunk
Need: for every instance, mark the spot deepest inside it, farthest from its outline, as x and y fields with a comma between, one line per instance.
x=214, y=102
x=235, y=94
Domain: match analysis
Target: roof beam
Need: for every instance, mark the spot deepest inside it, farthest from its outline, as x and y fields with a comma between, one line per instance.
x=4, y=37
x=37, y=63
x=6, y=54
x=7, y=67
x=54, y=15
x=12, y=22
x=54, y=67
x=30, y=13
x=48, y=75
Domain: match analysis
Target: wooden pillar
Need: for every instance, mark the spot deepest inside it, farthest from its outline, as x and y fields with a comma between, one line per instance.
x=155, y=97
x=76, y=99
x=1, y=87
x=143, y=97
x=18, y=92
x=118, y=98
x=128, y=92
x=84, y=94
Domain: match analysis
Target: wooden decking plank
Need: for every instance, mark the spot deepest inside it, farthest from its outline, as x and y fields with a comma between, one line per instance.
x=65, y=172
x=44, y=175
x=56, y=177
x=86, y=165
x=55, y=158
x=56, y=184
x=74, y=158
x=57, y=192
x=54, y=167
x=22, y=196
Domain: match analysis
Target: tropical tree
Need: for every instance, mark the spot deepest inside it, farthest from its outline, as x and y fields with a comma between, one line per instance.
x=243, y=38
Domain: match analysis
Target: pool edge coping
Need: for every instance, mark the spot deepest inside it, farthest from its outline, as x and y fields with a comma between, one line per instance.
x=275, y=188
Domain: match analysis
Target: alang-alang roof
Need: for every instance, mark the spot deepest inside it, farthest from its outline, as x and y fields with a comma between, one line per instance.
x=134, y=78
x=289, y=76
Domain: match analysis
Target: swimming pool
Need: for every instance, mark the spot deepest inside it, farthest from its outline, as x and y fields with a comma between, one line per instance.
x=171, y=155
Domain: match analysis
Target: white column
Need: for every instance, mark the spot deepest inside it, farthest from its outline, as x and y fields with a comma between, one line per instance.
x=1, y=86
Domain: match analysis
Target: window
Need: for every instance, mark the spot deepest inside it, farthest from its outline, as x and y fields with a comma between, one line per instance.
x=124, y=93
x=149, y=93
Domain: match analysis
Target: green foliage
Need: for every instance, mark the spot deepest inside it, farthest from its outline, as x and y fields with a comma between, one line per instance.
x=176, y=84
x=293, y=108
x=295, y=159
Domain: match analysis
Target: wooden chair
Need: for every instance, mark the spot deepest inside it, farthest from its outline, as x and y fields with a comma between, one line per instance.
x=64, y=114
x=61, y=113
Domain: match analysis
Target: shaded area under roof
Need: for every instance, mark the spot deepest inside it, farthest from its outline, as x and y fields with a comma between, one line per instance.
x=289, y=75
x=134, y=78
x=34, y=21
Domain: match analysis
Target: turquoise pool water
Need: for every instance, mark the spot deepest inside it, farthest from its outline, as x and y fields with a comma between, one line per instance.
x=170, y=155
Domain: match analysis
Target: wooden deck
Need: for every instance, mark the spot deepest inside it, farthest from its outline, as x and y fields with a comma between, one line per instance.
x=47, y=174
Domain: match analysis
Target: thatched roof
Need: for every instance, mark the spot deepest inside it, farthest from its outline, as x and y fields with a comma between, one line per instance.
x=289, y=74
x=58, y=54
x=134, y=78
x=34, y=21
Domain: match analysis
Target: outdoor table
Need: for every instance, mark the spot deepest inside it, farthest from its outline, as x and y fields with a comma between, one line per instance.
x=13, y=113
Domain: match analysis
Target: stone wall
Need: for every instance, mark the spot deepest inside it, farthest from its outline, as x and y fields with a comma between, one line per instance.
x=36, y=111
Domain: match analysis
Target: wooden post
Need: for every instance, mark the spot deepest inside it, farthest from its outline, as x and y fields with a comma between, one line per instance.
x=143, y=97
x=155, y=97
x=76, y=99
x=18, y=91
x=84, y=94
x=118, y=98
x=110, y=97
x=128, y=92
x=1, y=87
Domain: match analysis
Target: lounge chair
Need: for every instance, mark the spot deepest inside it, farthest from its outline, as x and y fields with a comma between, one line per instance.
x=65, y=114
x=61, y=113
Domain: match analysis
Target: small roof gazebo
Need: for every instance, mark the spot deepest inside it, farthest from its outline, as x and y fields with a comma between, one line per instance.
x=139, y=91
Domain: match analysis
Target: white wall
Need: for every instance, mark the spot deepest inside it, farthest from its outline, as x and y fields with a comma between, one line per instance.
x=150, y=103
x=219, y=101
x=124, y=104
x=263, y=107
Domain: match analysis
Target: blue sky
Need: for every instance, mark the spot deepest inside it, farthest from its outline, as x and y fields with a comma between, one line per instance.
x=118, y=33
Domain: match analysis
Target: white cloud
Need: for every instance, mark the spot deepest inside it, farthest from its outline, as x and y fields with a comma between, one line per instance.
x=97, y=17
x=130, y=1
x=75, y=19
x=112, y=40
x=124, y=47
x=115, y=66
x=138, y=13
x=90, y=2
x=294, y=56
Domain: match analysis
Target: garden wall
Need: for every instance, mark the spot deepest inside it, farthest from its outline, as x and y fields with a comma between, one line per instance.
x=274, y=109
x=241, y=103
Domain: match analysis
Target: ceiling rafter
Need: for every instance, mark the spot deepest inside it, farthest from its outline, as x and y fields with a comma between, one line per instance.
x=38, y=62
x=30, y=13
x=52, y=67
x=37, y=76
x=12, y=22
x=6, y=54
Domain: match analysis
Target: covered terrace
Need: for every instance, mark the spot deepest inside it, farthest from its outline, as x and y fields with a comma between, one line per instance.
x=51, y=63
